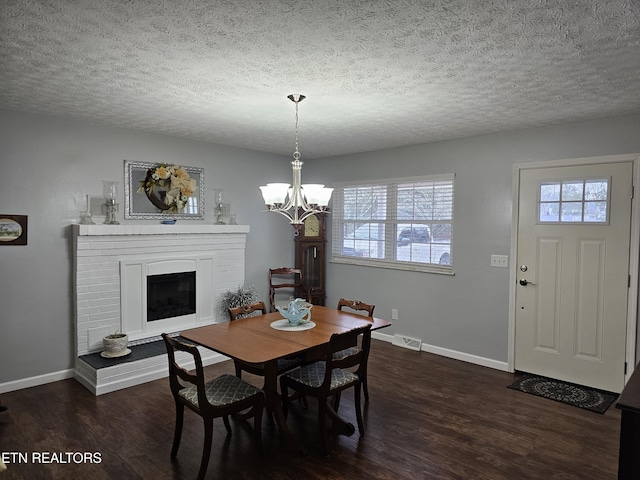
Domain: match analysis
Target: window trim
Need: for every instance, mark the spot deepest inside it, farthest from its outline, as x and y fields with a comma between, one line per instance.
x=338, y=220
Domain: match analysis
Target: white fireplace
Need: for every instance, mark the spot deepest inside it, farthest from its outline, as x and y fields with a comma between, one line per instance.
x=113, y=264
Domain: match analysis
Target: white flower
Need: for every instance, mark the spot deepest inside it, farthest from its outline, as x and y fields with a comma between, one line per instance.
x=173, y=178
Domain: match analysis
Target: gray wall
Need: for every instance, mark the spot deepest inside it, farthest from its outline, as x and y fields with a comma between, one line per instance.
x=46, y=161
x=467, y=312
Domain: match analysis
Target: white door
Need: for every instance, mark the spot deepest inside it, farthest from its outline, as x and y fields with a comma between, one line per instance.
x=572, y=270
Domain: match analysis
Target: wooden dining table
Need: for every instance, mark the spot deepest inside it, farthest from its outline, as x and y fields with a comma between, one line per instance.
x=254, y=340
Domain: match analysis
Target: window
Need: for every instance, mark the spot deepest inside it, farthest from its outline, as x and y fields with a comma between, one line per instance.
x=574, y=201
x=191, y=207
x=401, y=223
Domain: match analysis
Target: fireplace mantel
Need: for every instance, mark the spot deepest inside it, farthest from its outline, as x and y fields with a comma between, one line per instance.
x=105, y=257
x=177, y=229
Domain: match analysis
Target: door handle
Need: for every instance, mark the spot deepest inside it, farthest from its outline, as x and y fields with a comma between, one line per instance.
x=524, y=282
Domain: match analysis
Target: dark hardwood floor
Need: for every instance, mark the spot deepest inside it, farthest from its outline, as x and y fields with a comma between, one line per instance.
x=429, y=418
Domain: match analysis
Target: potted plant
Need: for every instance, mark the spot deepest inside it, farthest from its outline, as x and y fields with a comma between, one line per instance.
x=115, y=345
x=242, y=295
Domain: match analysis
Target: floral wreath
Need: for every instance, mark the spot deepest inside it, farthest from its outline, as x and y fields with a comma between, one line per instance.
x=174, y=186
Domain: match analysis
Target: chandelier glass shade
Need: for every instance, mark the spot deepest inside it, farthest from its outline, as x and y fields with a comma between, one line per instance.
x=296, y=201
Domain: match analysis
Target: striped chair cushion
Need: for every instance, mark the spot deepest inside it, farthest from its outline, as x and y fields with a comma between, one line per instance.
x=223, y=390
x=313, y=376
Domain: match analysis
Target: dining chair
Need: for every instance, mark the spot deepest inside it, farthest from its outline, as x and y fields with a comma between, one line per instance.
x=356, y=305
x=288, y=283
x=284, y=364
x=329, y=377
x=245, y=310
x=220, y=397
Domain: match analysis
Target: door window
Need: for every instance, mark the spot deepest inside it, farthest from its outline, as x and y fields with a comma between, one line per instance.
x=574, y=201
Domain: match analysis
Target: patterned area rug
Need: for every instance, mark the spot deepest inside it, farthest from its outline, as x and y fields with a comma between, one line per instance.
x=569, y=393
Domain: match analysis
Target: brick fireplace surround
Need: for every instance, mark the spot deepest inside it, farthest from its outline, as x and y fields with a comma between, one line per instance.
x=110, y=264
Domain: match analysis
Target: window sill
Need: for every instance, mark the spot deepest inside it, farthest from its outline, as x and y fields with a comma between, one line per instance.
x=411, y=267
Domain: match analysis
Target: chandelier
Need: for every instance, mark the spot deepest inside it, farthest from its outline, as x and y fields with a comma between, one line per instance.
x=297, y=201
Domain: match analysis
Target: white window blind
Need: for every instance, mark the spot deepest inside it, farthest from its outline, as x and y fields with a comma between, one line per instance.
x=397, y=223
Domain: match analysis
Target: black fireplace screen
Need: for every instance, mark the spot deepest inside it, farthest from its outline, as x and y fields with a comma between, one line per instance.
x=171, y=295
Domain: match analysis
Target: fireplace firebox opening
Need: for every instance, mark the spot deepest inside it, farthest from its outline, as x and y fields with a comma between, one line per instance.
x=171, y=295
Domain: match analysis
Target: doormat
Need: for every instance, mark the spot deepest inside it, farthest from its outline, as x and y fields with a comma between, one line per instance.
x=577, y=395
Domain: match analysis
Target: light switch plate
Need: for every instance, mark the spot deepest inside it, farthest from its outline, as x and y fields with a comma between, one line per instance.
x=500, y=261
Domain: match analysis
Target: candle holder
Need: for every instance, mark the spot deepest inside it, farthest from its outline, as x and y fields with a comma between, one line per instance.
x=111, y=198
x=85, y=215
x=219, y=208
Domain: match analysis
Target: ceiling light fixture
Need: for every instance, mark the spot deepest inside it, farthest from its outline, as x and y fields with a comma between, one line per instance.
x=299, y=201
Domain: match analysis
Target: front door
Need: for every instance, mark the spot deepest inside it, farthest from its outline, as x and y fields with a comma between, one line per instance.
x=573, y=273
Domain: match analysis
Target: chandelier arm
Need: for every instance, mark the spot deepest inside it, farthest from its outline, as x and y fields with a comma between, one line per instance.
x=308, y=213
x=300, y=218
x=285, y=214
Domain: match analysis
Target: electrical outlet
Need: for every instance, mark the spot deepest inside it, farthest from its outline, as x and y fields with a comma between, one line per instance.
x=500, y=261
x=394, y=314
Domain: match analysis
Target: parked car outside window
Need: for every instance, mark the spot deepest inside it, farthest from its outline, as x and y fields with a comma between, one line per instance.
x=415, y=243
x=414, y=235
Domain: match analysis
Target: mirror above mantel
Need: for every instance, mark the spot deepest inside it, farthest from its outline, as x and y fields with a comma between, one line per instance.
x=151, y=203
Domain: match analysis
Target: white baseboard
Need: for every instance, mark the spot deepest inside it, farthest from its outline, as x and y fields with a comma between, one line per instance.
x=149, y=376
x=35, y=381
x=445, y=352
x=153, y=373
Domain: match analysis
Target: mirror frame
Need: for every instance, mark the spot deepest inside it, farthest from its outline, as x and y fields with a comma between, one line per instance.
x=134, y=172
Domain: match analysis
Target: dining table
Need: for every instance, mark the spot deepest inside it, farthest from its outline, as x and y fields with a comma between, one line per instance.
x=264, y=339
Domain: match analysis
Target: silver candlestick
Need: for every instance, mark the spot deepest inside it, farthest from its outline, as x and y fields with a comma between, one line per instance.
x=111, y=196
x=219, y=196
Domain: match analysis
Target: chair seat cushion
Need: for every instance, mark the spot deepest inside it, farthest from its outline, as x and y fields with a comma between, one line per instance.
x=347, y=352
x=313, y=375
x=288, y=363
x=224, y=390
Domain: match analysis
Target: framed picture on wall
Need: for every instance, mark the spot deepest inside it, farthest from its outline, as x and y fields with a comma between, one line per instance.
x=13, y=229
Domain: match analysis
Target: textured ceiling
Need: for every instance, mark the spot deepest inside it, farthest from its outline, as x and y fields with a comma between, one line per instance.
x=377, y=74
